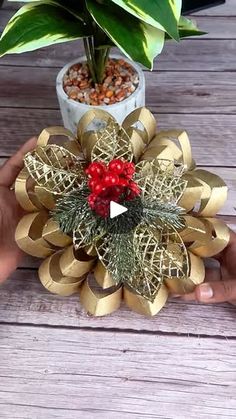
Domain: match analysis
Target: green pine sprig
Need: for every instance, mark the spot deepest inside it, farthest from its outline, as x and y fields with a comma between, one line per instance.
x=162, y=214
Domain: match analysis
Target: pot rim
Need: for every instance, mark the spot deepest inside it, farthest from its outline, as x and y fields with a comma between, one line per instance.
x=62, y=93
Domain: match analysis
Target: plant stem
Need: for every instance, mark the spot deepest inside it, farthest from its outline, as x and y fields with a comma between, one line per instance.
x=90, y=59
x=102, y=56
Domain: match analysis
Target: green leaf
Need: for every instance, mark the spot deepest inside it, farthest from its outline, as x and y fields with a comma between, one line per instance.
x=162, y=14
x=188, y=28
x=138, y=40
x=37, y=25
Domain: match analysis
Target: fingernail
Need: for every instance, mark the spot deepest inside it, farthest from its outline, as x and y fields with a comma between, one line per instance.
x=205, y=291
x=175, y=295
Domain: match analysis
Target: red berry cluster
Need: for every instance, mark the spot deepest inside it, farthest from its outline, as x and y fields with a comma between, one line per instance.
x=110, y=183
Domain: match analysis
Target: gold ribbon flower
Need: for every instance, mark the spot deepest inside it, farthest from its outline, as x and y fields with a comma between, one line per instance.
x=156, y=247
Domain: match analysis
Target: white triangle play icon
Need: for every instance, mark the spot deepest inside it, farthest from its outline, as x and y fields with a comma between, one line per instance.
x=116, y=209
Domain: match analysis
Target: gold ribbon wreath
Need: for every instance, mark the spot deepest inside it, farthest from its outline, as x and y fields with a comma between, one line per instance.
x=69, y=269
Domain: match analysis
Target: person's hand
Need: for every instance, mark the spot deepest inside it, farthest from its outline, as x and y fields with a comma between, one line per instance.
x=220, y=284
x=10, y=211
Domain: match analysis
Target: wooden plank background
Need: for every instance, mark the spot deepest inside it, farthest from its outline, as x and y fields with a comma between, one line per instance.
x=58, y=362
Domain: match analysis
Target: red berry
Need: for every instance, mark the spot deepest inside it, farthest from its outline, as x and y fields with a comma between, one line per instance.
x=116, y=166
x=129, y=170
x=96, y=170
x=123, y=181
x=98, y=188
x=134, y=188
x=117, y=190
x=110, y=179
x=92, y=200
x=92, y=183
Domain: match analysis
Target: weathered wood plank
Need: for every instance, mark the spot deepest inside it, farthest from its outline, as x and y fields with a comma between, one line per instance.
x=167, y=92
x=24, y=300
x=216, y=55
x=210, y=135
x=226, y=9
x=73, y=373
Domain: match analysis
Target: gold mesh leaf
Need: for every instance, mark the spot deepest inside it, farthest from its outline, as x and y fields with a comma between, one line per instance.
x=112, y=142
x=82, y=235
x=55, y=169
x=160, y=254
x=161, y=180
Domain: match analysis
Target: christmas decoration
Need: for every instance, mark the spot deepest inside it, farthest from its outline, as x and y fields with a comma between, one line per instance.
x=155, y=247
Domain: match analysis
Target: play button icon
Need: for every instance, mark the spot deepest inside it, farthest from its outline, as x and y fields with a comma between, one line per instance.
x=116, y=209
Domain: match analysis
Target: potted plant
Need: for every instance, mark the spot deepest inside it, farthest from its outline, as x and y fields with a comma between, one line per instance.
x=138, y=28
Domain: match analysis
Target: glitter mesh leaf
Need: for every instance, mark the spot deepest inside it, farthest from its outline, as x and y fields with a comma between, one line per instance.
x=144, y=259
x=112, y=142
x=161, y=255
x=83, y=234
x=161, y=180
x=55, y=168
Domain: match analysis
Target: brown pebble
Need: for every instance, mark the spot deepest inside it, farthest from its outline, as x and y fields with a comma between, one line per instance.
x=109, y=93
x=120, y=81
x=73, y=95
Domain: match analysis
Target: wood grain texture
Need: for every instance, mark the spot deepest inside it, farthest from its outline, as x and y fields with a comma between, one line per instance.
x=58, y=373
x=167, y=92
x=24, y=300
x=210, y=135
x=226, y=9
x=216, y=55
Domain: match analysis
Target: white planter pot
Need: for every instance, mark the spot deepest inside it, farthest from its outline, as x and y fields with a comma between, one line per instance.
x=73, y=111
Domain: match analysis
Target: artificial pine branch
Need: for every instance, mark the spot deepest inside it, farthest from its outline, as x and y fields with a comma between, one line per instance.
x=163, y=213
x=122, y=257
x=71, y=209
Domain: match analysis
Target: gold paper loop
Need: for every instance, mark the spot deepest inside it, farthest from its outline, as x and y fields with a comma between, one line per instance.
x=164, y=143
x=29, y=235
x=88, y=118
x=100, y=303
x=45, y=198
x=146, y=118
x=160, y=152
x=53, y=280
x=73, y=146
x=192, y=194
x=75, y=263
x=137, y=143
x=214, y=192
x=53, y=235
x=219, y=239
x=25, y=194
x=196, y=276
x=102, y=276
x=45, y=135
x=142, y=306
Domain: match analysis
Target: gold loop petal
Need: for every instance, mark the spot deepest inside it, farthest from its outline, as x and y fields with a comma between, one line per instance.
x=75, y=263
x=218, y=240
x=53, y=235
x=29, y=235
x=24, y=190
x=53, y=279
x=146, y=118
x=196, y=276
x=99, y=302
x=142, y=306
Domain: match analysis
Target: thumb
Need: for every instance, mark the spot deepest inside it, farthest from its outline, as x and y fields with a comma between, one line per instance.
x=216, y=291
